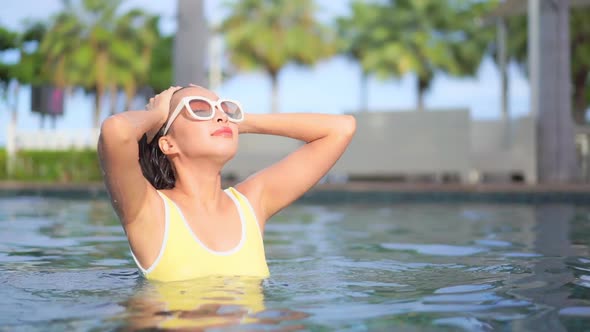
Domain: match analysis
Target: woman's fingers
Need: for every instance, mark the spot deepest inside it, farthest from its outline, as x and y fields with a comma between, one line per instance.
x=162, y=100
x=168, y=93
x=162, y=97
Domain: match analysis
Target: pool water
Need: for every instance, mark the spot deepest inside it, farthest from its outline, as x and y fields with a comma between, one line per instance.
x=65, y=266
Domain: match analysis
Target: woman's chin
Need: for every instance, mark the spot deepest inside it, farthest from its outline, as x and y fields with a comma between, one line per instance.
x=221, y=153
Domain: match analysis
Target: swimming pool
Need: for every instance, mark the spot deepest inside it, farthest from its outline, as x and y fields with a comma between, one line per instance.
x=65, y=265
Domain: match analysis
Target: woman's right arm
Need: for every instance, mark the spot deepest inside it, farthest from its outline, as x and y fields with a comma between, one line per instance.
x=118, y=152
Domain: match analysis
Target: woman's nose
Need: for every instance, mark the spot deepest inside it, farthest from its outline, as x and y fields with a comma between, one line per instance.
x=220, y=115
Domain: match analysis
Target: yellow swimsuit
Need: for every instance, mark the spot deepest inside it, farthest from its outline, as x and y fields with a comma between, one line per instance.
x=183, y=256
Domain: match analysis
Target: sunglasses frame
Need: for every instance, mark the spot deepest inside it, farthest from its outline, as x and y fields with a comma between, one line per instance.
x=185, y=103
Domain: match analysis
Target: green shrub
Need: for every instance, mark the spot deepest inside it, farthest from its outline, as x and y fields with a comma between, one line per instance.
x=53, y=166
x=3, y=174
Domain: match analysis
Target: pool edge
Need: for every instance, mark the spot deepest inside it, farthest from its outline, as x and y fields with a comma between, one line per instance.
x=359, y=192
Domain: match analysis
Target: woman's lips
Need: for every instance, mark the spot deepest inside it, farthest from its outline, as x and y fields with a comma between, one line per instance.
x=224, y=131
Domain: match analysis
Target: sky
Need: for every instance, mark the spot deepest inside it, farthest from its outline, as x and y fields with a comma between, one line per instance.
x=331, y=86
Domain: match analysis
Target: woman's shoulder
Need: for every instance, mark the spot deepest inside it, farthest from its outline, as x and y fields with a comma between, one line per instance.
x=246, y=189
x=251, y=195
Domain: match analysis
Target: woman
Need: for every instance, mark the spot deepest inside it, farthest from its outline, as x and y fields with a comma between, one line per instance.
x=179, y=222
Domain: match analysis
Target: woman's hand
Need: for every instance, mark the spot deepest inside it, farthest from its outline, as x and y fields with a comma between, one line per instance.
x=160, y=103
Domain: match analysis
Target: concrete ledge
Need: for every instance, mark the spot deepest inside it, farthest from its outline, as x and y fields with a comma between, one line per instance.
x=58, y=190
x=358, y=192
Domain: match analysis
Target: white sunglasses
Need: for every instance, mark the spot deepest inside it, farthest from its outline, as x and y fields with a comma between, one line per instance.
x=201, y=108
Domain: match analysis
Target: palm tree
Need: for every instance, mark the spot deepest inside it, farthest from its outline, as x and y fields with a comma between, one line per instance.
x=423, y=37
x=160, y=73
x=136, y=34
x=8, y=41
x=90, y=45
x=60, y=46
x=68, y=57
x=355, y=41
x=269, y=34
x=28, y=69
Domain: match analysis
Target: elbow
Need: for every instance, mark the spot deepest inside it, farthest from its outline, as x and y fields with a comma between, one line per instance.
x=348, y=126
x=115, y=129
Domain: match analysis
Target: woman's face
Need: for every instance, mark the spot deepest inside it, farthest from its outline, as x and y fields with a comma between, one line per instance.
x=216, y=138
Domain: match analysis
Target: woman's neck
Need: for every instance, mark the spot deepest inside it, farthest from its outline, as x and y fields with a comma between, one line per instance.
x=199, y=182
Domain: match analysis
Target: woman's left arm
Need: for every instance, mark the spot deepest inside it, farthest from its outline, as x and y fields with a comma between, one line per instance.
x=277, y=186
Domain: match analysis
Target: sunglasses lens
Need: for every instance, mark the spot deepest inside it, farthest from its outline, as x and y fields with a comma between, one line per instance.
x=201, y=108
x=232, y=110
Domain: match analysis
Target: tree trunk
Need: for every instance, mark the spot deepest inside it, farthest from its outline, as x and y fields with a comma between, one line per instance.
x=420, y=106
x=14, y=117
x=502, y=60
x=129, y=96
x=580, y=103
x=114, y=94
x=130, y=92
x=275, y=93
x=505, y=91
x=422, y=86
x=364, y=95
x=502, y=64
x=101, y=84
x=505, y=84
x=98, y=107
x=128, y=101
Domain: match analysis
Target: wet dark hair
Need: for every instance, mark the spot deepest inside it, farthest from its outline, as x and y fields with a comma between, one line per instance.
x=155, y=166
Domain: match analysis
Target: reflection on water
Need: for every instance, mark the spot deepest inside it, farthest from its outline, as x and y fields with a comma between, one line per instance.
x=205, y=303
x=65, y=265
x=209, y=302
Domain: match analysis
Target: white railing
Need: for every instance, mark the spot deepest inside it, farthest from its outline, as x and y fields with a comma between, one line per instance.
x=46, y=140
x=55, y=139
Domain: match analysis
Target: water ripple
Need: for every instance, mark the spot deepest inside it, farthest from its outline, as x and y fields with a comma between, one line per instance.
x=434, y=249
x=463, y=289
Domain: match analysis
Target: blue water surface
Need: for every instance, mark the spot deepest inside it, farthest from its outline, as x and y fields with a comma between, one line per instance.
x=65, y=266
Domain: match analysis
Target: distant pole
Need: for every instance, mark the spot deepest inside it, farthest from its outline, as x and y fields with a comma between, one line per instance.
x=190, y=44
x=550, y=79
x=10, y=148
x=502, y=63
x=215, y=56
x=502, y=60
x=364, y=91
x=11, y=139
x=534, y=53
